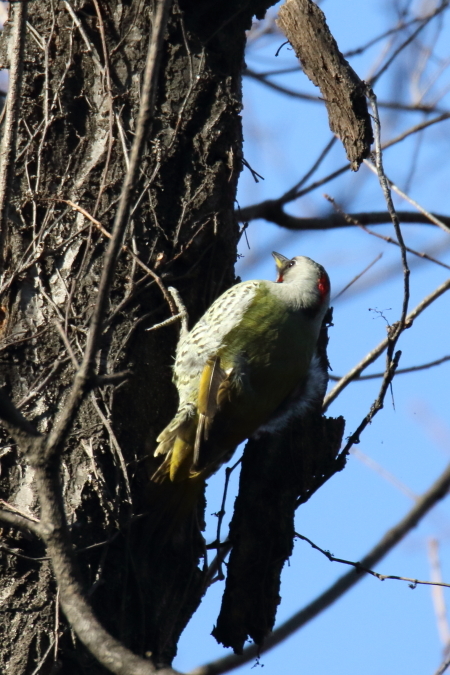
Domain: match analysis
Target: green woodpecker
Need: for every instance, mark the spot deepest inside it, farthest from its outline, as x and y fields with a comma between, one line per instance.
x=247, y=366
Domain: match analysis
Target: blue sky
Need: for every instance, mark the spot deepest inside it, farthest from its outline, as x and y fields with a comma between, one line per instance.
x=378, y=627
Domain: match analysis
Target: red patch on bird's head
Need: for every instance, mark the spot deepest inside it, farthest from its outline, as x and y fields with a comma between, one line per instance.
x=280, y=279
x=323, y=285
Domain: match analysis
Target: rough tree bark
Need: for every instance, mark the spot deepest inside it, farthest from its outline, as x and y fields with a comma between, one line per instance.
x=80, y=95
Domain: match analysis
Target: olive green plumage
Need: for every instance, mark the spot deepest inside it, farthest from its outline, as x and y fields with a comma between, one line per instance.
x=248, y=364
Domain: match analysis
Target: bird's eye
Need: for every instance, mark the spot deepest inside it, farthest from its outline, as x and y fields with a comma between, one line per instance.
x=291, y=263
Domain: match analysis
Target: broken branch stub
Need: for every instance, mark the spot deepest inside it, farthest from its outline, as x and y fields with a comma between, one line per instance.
x=305, y=27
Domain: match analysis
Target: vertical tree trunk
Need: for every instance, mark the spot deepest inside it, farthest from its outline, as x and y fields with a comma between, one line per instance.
x=80, y=96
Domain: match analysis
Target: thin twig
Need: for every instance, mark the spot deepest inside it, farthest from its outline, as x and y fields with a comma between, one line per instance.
x=399, y=371
x=55, y=657
x=90, y=47
x=419, y=254
x=167, y=322
x=427, y=214
x=44, y=658
x=67, y=344
x=110, y=104
x=358, y=276
x=126, y=249
x=384, y=473
x=353, y=221
x=437, y=593
x=34, y=389
x=393, y=337
x=113, y=378
x=408, y=41
x=223, y=550
x=14, y=509
x=211, y=574
x=12, y=551
x=360, y=568
x=115, y=444
x=182, y=310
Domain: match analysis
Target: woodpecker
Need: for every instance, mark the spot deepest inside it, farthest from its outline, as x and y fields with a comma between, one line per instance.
x=247, y=366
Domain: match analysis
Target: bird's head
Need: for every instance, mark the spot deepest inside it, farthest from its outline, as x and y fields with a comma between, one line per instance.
x=302, y=270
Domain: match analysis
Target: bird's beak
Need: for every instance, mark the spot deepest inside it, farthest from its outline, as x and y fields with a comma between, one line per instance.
x=280, y=260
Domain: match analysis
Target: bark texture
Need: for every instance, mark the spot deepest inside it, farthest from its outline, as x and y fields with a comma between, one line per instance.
x=304, y=25
x=80, y=96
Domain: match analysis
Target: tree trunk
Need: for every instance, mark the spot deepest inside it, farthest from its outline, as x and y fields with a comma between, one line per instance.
x=80, y=97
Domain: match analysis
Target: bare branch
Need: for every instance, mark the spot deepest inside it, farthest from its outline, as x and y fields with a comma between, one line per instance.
x=388, y=240
x=409, y=39
x=434, y=219
x=21, y=523
x=436, y=492
x=443, y=667
x=272, y=210
x=274, y=213
x=262, y=78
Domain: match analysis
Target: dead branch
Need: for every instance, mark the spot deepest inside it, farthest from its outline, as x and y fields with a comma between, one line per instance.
x=305, y=27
